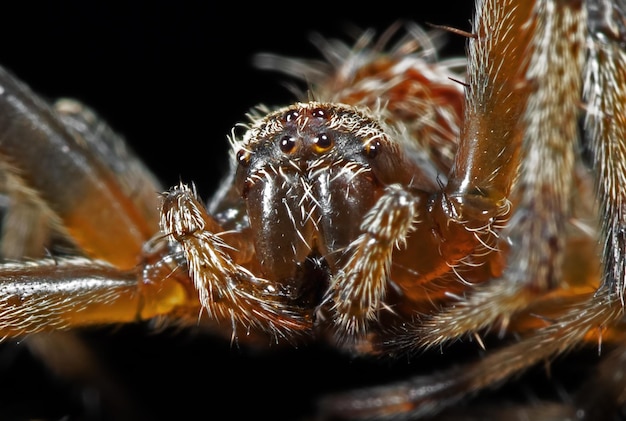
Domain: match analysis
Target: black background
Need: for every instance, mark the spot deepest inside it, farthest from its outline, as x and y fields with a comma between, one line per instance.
x=174, y=79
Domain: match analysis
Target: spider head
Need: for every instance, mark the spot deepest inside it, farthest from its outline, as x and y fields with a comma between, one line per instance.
x=308, y=174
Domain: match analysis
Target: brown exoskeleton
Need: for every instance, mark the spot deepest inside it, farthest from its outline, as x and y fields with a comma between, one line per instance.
x=399, y=206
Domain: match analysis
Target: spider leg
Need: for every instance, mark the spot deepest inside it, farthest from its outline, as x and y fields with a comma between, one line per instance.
x=605, y=94
x=68, y=178
x=543, y=191
x=358, y=290
x=134, y=178
x=80, y=191
x=83, y=158
x=56, y=294
x=428, y=395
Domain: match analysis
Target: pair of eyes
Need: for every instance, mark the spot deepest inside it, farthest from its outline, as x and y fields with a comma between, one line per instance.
x=323, y=142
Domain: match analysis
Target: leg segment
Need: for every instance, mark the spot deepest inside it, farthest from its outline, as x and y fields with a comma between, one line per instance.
x=605, y=93
x=357, y=292
x=60, y=294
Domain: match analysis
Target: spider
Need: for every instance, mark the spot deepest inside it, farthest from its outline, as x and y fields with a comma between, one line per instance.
x=400, y=206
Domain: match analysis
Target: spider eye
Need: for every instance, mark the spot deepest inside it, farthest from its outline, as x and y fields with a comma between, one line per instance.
x=319, y=113
x=287, y=144
x=372, y=148
x=291, y=115
x=322, y=143
x=243, y=157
